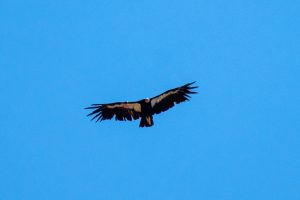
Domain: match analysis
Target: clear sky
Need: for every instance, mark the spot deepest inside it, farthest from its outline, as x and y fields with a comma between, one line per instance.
x=239, y=138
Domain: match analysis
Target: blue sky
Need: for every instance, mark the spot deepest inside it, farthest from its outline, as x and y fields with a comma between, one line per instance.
x=237, y=139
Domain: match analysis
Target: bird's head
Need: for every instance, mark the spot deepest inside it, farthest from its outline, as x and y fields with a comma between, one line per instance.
x=147, y=100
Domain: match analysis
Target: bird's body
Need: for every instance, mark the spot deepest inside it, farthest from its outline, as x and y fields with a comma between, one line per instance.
x=146, y=114
x=144, y=109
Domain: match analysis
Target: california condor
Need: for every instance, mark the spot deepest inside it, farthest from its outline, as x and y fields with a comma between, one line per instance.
x=144, y=108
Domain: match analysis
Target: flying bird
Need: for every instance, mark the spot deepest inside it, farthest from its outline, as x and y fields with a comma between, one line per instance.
x=144, y=109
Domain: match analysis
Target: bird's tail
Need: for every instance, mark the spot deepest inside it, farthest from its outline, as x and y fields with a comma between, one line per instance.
x=146, y=121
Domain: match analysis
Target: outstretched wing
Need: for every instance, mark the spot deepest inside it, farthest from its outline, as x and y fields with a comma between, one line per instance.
x=171, y=97
x=121, y=110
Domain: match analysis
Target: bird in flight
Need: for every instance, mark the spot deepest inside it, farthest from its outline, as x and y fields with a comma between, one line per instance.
x=144, y=109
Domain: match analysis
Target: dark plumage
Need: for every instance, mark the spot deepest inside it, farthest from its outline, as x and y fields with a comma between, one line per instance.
x=144, y=108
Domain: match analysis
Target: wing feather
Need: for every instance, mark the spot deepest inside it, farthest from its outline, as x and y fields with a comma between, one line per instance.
x=171, y=97
x=120, y=110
